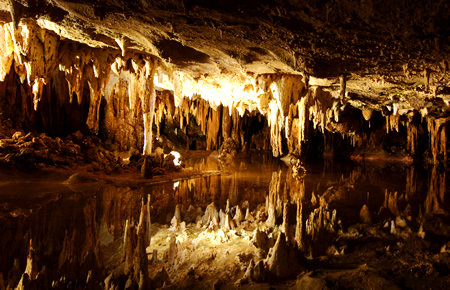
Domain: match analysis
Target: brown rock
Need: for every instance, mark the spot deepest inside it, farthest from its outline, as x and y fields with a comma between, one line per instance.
x=282, y=261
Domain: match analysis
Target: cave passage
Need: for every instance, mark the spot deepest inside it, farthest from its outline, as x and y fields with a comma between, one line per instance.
x=254, y=144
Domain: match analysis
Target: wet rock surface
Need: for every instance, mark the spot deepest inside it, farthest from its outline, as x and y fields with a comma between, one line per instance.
x=108, y=239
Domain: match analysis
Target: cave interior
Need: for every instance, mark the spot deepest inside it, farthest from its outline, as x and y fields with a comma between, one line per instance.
x=196, y=144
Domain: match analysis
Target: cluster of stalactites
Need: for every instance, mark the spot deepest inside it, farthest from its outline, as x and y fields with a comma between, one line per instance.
x=34, y=53
x=436, y=128
x=216, y=102
x=292, y=107
x=216, y=123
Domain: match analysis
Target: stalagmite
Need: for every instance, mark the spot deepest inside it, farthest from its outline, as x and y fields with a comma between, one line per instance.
x=248, y=273
x=172, y=252
x=261, y=240
x=238, y=216
x=282, y=261
x=176, y=220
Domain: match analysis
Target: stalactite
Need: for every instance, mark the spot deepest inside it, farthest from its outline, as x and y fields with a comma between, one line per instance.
x=236, y=126
x=213, y=126
x=411, y=142
x=226, y=123
x=392, y=123
x=288, y=104
x=97, y=75
x=302, y=120
x=35, y=53
x=6, y=51
x=438, y=138
x=342, y=86
x=367, y=114
x=148, y=105
x=275, y=123
x=285, y=91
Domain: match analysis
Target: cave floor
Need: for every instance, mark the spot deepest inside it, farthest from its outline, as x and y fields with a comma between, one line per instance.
x=364, y=225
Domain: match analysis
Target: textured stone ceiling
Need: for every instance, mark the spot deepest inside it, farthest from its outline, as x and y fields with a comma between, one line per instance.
x=322, y=38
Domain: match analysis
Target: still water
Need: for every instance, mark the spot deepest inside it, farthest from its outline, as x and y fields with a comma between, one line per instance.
x=72, y=234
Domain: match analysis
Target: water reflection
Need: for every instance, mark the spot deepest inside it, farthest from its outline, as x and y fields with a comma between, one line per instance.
x=61, y=236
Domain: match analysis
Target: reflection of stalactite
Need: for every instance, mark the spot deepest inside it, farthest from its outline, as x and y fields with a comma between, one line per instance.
x=391, y=202
x=436, y=192
x=319, y=229
x=136, y=242
x=273, y=199
x=31, y=267
x=91, y=244
x=299, y=221
x=411, y=182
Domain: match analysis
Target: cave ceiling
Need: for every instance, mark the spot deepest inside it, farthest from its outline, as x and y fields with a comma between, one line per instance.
x=385, y=50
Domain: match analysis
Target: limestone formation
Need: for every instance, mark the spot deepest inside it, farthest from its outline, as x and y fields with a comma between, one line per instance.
x=282, y=260
x=103, y=103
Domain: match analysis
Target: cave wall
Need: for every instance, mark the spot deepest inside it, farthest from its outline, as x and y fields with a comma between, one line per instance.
x=58, y=86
